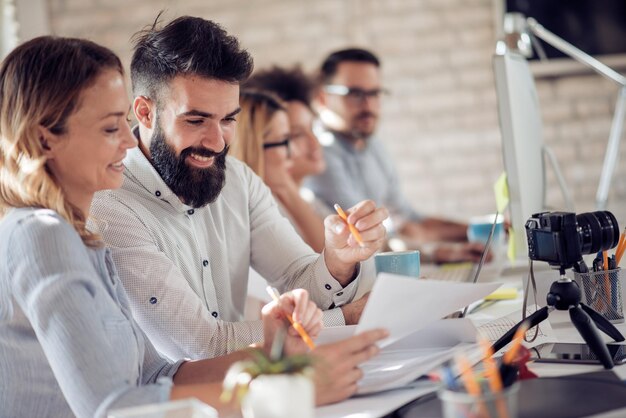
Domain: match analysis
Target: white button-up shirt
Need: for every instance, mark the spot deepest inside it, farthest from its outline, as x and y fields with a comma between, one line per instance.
x=186, y=269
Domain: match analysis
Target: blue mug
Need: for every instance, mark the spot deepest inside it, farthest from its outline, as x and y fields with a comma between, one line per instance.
x=405, y=263
x=479, y=228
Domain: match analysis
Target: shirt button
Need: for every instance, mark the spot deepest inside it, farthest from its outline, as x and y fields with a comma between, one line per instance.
x=153, y=300
x=190, y=212
x=205, y=263
x=214, y=314
x=340, y=293
x=327, y=286
x=157, y=193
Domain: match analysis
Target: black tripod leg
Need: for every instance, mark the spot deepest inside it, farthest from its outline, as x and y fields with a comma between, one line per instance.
x=603, y=324
x=534, y=319
x=587, y=329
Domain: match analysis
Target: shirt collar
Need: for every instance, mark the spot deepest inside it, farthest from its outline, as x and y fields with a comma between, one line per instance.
x=143, y=172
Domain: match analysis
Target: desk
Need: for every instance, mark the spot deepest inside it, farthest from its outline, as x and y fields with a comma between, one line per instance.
x=564, y=331
x=386, y=403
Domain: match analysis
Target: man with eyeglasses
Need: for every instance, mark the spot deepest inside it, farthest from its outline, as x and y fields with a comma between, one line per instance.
x=358, y=166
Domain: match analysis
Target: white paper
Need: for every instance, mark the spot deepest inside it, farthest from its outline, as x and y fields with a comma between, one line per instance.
x=403, y=305
x=402, y=362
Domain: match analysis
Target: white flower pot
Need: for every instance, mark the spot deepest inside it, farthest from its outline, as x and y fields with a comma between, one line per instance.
x=279, y=396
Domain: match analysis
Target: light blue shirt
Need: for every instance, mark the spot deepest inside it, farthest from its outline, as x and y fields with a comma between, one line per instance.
x=68, y=343
x=354, y=175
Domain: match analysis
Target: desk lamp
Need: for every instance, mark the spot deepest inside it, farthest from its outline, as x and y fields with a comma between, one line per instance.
x=520, y=35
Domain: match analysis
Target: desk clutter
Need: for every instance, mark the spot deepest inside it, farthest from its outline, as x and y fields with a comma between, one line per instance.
x=491, y=392
x=572, y=396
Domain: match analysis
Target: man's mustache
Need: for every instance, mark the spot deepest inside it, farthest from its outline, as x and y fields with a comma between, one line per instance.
x=364, y=115
x=204, y=152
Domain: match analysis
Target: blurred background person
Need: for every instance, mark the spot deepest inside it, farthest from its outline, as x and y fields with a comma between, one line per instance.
x=358, y=166
x=265, y=143
x=295, y=88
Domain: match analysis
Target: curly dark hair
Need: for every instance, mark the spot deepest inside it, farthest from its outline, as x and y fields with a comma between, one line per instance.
x=290, y=84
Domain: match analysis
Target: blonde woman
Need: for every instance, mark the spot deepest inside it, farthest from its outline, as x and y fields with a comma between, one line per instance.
x=68, y=343
x=263, y=142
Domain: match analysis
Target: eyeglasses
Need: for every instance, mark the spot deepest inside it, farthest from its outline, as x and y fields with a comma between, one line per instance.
x=355, y=94
x=283, y=143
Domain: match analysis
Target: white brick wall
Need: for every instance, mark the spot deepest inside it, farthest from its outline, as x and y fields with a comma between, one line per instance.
x=441, y=121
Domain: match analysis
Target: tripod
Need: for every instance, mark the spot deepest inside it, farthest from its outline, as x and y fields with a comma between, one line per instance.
x=564, y=295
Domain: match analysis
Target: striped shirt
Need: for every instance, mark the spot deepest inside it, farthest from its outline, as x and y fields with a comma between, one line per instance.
x=186, y=269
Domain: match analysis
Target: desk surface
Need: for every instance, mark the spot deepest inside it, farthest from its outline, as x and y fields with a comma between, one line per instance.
x=564, y=331
x=387, y=402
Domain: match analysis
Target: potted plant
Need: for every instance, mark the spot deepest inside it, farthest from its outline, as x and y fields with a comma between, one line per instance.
x=272, y=386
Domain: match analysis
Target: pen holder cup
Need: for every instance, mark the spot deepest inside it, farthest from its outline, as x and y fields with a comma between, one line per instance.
x=602, y=291
x=502, y=404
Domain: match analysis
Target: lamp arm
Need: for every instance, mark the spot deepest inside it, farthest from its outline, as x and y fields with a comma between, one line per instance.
x=542, y=33
x=612, y=151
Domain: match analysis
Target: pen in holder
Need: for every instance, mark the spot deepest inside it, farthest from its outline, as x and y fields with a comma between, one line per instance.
x=602, y=291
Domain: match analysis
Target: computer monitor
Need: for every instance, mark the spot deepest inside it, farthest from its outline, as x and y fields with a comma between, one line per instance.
x=522, y=142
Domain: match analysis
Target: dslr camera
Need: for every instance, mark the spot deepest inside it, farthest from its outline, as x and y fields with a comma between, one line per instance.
x=561, y=238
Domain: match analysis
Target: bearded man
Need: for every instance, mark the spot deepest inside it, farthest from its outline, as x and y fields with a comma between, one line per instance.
x=189, y=221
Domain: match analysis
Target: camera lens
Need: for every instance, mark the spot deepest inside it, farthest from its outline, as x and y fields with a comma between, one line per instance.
x=598, y=231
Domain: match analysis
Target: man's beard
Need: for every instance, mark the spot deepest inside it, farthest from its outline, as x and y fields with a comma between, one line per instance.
x=358, y=132
x=196, y=187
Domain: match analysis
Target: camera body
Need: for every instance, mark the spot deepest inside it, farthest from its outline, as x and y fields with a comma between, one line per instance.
x=561, y=238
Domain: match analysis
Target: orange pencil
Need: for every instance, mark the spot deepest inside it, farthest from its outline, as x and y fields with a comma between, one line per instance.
x=493, y=375
x=509, y=356
x=297, y=326
x=469, y=380
x=621, y=244
x=353, y=230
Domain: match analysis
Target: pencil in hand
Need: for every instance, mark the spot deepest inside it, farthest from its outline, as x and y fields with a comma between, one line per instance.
x=352, y=228
x=273, y=292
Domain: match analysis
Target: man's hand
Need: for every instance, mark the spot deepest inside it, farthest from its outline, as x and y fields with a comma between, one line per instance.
x=467, y=251
x=342, y=251
x=352, y=311
x=303, y=311
x=336, y=365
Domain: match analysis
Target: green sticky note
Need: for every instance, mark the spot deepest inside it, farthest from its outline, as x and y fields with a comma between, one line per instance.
x=501, y=189
x=511, y=251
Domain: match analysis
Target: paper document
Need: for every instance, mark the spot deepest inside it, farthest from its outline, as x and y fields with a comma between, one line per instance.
x=401, y=363
x=405, y=305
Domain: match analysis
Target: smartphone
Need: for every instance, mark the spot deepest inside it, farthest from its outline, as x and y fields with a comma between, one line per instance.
x=578, y=353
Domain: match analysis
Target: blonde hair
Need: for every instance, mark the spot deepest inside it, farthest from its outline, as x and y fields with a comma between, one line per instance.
x=41, y=83
x=257, y=110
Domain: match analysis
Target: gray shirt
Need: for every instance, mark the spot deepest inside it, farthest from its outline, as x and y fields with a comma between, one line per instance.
x=354, y=175
x=68, y=343
x=186, y=269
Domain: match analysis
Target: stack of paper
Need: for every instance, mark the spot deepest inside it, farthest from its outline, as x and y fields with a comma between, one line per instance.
x=419, y=341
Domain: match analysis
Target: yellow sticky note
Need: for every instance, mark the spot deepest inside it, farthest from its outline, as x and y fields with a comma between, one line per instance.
x=501, y=189
x=511, y=251
x=503, y=293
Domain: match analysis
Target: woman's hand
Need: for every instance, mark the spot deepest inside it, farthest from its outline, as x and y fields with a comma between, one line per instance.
x=303, y=311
